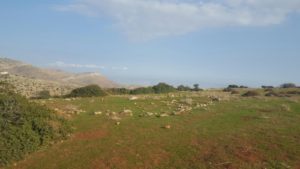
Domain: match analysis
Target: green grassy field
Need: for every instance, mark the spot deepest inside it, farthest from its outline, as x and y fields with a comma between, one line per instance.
x=197, y=132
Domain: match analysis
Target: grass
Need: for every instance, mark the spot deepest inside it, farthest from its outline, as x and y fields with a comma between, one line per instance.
x=260, y=132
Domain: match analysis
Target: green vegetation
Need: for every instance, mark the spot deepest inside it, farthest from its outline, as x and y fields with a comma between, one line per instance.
x=163, y=88
x=45, y=94
x=87, y=91
x=157, y=89
x=183, y=88
x=142, y=90
x=288, y=85
x=178, y=130
x=251, y=93
x=26, y=126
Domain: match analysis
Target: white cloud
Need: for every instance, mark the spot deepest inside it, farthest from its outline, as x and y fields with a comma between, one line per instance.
x=119, y=68
x=72, y=65
x=148, y=19
x=86, y=66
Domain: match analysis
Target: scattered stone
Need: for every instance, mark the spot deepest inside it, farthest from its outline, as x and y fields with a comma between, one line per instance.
x=116, y=118
x=163, y=115
x=126, y=113
x=149, y=114
x=133, y=98
x=215, y=99
x=118, y=123
x=98, y=113
x=176, y=113
x=167, y=127
x=188, y=101
x=285, y=107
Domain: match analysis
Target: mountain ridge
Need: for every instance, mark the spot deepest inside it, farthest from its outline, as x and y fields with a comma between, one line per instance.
x=20, y=68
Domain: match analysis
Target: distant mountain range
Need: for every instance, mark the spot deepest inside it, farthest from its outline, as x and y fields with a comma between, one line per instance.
x=26, y=74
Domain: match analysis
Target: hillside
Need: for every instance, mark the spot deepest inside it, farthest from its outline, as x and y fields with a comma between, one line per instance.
x=23, y=76
x=30, y=87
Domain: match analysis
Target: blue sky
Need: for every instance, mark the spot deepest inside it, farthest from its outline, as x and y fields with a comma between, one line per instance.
x=213, y=43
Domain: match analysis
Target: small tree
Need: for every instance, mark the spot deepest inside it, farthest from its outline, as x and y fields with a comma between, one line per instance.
x=288, y=85
x=183, y=88
x=251, y=94
x=196, y=87
x=233, y=86
x=45, y=94
x=163, y=88
x=87, y=91
x=267, y=87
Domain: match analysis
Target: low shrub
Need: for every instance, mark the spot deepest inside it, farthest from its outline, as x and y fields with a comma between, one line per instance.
x=235, y=92
x=163, y=88
x=45, y=94
x=26, y=126
x=293, y=92
x=288, y=85
x=87, y=91
x=251, y=94
x=272, y=93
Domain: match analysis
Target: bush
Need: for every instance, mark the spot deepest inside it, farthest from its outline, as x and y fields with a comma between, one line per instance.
x=272, y=93
x=45, y=94
x=233, y=86
x=87, y=91
x=163, y=88
x=293, y=92
x=159, y=88
x=196, y=88
x=235, y=92
x=288, y=85
x=118, y=91
x=251, y=94
x=142, y=90
x=267, y=87
x=26, y=126
x=183, y=88
x=228, y=89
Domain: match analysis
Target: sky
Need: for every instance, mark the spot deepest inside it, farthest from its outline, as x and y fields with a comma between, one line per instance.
x=210, y=42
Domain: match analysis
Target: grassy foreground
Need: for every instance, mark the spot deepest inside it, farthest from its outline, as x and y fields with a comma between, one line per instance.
x=180, y=130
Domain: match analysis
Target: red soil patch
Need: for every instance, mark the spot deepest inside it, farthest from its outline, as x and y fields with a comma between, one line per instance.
x=113, y=162
x=90, y=135
x=248, y=154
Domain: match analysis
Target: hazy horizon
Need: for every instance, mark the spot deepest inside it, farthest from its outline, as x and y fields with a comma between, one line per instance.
x=212, y=43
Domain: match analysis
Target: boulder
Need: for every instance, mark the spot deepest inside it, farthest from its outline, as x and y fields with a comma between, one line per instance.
x=98, y=113
x=133, y=98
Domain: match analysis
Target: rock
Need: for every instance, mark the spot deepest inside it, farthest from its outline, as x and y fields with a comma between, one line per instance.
x=149, y=114
x=116, y=118
x=285, y=107
x=126, y=113
x=215, y=99
x=176, y=113
x=133, y=98
x=163, y=115
x=118, y=123
x=188, y=101
x=98, y=113
x=167, y=127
